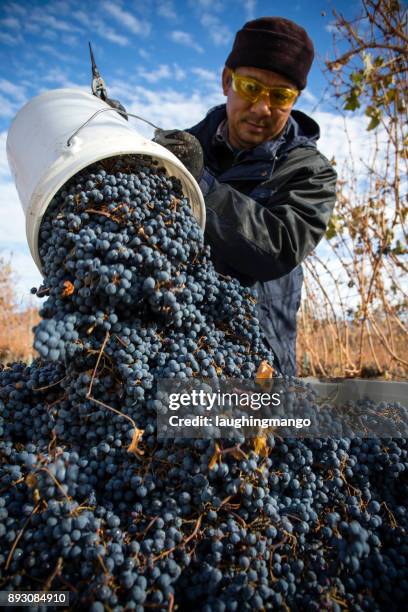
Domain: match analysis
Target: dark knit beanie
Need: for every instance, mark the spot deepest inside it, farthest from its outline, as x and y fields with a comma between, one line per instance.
x=275, y=44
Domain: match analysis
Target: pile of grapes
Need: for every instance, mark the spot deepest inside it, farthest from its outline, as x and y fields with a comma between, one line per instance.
x=94, y=503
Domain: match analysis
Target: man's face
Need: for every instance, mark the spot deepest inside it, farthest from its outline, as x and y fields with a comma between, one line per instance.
x=250, y=124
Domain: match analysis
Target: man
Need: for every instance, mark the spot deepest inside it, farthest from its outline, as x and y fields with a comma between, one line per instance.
x=269, y=192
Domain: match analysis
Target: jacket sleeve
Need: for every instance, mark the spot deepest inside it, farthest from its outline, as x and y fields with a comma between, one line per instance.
x=266, y=241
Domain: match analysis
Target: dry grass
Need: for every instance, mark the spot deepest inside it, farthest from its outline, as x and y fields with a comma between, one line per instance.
x=333, y=349
x=16, y=337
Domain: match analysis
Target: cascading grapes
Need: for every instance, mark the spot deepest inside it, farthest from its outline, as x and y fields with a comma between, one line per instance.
x=94, y=503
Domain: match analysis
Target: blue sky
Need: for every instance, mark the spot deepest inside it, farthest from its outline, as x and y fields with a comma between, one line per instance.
x=162, y=59
x=162, y=43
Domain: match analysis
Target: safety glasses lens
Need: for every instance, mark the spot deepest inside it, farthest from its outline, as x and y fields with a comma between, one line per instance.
x=281, y=98
x=251, y=90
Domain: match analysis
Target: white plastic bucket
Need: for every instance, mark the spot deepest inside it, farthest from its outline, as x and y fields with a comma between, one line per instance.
x=41, y=161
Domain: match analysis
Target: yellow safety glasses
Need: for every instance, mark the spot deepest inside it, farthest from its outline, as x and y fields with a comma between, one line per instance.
x=252, y=90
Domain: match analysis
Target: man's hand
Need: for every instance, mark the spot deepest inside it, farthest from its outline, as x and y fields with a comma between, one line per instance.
x=116, y=104
x=185, y=146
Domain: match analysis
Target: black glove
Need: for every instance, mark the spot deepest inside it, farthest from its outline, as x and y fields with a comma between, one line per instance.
x=185, y=146
x=116, y=104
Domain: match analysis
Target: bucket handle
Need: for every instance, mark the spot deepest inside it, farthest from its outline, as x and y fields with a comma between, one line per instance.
x=103, y=110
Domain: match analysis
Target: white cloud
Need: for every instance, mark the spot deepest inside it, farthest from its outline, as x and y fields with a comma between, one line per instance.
x=12, y=227
x=15, y=91
x=308, y=97
x=10, y=22
x=49, y=21
x=250, y=9
x=219, y=33
x=162, y=72
x=206, y=75
x=143, y=53
x=167, y=107
x=38, y=21
x=82, y=17
x=14, y=246
x=11, y=97
x=14, y=7
x=4, y=169
x=172, y=109
x=165, y=8
x=185, y=38
x=59, y=77
x=13, y=241
x=7, y=107
x=213, y=5
x=26, y=275
x=10, y=39
x=109, y=33
x=331, y=28
x=98, y=26
x=179, y=74
x=126, y=19
x=49, y=34
x=49, y=50
x=70, y=40
x=33, y=28
x=60, y=6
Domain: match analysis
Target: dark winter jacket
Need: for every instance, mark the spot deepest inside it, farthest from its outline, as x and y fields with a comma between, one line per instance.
x=267, y=208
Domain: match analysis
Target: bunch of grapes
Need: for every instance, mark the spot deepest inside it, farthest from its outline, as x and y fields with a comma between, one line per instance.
x=94, y=503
